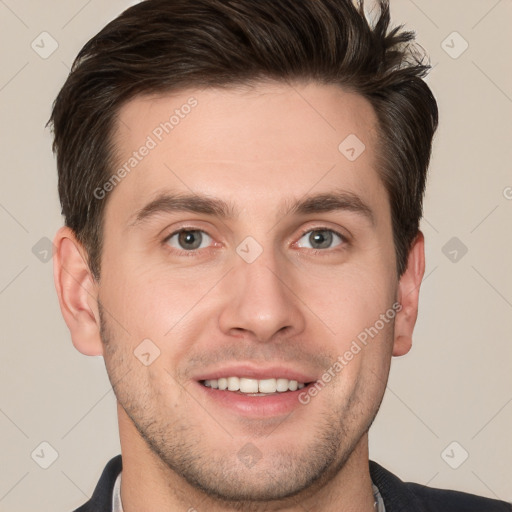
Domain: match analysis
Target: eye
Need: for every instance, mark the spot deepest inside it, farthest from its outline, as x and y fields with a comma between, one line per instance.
x=187, y=239
x=322, y=238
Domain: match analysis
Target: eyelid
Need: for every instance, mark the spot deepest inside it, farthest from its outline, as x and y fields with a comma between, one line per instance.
x=328, y=251
x=324, y=228
x=304, y=231
x=191, y=225
x=192, y=252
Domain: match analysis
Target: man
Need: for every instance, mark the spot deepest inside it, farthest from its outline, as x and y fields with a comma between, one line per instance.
x=242, y=186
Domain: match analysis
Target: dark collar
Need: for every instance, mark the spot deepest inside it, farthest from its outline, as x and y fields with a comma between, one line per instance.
x=101, y=499
x=396, y=494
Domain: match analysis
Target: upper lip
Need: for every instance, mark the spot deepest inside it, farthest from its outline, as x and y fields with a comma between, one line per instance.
x=259, y=372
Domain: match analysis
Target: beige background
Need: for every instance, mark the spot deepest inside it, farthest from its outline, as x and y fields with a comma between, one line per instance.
x=455, y=384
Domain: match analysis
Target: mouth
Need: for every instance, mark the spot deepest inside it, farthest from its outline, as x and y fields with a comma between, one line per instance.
x=254, y=387
x=254, y=392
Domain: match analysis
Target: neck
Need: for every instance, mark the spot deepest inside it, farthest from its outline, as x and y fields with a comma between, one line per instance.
x=148, y=484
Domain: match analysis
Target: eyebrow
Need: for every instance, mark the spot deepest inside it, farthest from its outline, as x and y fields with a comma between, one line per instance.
x=168, y=202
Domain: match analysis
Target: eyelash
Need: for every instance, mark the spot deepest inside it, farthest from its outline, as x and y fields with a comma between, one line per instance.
x=193, y=252
x=326, y=252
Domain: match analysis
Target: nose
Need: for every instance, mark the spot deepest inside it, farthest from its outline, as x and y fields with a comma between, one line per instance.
x=260, y=301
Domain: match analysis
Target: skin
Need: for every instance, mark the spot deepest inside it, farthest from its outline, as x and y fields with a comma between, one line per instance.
x=258, y=148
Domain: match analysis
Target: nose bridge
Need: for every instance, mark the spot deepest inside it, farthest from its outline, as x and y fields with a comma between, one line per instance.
x=261, y=301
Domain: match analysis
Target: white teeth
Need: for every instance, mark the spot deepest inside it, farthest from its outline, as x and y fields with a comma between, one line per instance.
x=247, y=385
x=267, y=386
x=282, y=385
x=233, y=383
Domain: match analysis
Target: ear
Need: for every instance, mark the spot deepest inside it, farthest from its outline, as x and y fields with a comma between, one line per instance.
x=78, y=292
x=408, y=296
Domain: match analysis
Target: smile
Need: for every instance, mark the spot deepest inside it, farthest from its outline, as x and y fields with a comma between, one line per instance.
x=254, y=387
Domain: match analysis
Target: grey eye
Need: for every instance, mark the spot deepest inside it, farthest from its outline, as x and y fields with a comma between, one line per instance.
x=188, y=239
x=321, y=238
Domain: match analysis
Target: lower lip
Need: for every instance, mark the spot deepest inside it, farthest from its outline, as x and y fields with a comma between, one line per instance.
x=256, y=406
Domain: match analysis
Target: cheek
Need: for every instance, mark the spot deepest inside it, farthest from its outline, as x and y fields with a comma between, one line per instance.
x=158, y=303
x=351, y=305
x=349, y=298
x=361, y=368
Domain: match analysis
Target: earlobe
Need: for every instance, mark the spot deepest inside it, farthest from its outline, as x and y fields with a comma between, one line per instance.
x=77, y=291
x=408, y=296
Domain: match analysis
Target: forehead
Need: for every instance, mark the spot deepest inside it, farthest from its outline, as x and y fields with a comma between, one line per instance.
x=251, y=145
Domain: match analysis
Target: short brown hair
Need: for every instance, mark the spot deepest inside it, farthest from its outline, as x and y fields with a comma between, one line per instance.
x=160, y=46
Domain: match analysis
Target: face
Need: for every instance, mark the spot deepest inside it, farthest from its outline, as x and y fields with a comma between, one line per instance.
x=244, y=248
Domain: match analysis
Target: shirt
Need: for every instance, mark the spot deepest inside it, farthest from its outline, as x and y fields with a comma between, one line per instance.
x=117, y=505
x=397, y=496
